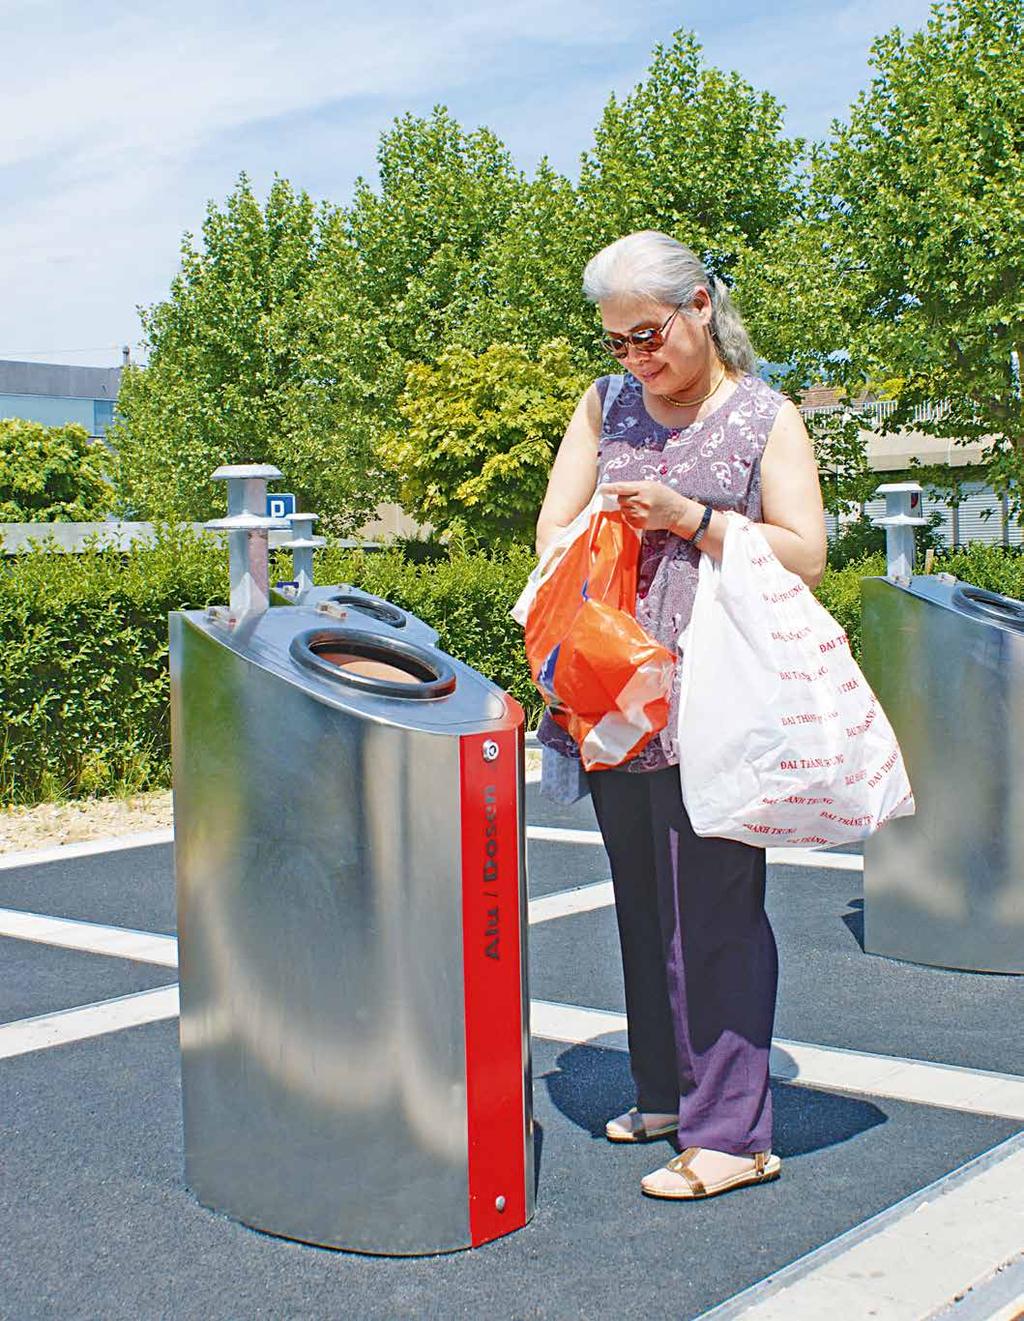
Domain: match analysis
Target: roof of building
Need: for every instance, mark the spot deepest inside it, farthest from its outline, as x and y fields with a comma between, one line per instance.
x=58, y=380
x=820, y=396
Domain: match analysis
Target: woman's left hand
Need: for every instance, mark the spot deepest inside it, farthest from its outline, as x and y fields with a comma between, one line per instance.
x=653, y=506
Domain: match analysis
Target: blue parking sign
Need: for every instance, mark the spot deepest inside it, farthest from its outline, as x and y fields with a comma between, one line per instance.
x=280, y=504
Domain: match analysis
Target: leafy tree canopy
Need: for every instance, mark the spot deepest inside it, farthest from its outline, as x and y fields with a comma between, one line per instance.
x=51, y=474
x=694, y=152
x=480, y=434
x=907, y=261
x=241, y=372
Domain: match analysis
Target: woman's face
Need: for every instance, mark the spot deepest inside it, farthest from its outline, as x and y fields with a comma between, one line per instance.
x=686, y=354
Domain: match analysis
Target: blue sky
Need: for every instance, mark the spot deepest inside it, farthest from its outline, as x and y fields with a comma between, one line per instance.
x=120, y=122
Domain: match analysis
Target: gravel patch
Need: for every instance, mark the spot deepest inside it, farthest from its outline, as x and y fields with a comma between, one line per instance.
x=48, y=825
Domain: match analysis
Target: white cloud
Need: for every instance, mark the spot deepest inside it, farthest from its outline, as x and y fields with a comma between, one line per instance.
x=119, y=123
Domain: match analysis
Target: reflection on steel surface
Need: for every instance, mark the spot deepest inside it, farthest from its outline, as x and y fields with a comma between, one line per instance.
x=946, y=887
x=320, y=891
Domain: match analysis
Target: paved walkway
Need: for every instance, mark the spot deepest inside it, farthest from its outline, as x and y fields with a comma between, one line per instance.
x=899, y=1095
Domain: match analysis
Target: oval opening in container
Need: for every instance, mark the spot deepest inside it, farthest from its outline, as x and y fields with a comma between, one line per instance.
x=979, y=601
x=372, y=663
x=383, y=611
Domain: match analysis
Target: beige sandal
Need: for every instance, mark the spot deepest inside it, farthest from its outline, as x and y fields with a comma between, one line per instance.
x=633, y=1127
x=691, y=1186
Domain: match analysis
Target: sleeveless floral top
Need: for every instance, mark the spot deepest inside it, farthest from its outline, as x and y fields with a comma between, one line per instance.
x=717, y=461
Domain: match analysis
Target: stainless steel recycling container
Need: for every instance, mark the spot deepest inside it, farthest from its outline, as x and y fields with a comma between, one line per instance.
x=946, y=886
x=357, y=603
x=352, y=914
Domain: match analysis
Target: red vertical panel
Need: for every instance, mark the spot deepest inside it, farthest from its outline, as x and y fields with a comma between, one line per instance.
x=493, y=985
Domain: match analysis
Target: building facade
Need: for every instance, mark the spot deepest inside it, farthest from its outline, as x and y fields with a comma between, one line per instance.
x=980, y=515
x=56, y=395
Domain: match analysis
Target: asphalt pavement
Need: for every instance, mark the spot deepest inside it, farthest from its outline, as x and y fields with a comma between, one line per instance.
x=97, y=1223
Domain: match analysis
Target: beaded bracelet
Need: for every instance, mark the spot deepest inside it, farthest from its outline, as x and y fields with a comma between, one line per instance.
x=697, y=537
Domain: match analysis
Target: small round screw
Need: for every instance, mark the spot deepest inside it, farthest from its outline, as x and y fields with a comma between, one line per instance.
x=499, y=1202
x=490, y=750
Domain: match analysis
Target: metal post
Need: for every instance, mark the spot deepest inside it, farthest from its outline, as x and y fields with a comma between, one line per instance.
x=903, y=512
x=247, y=526
x=302, y=546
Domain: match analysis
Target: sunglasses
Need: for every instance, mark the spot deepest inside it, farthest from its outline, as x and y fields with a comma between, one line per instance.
x=644, y=341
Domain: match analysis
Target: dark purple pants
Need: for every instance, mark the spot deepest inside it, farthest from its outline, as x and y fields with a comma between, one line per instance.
x=698, y=960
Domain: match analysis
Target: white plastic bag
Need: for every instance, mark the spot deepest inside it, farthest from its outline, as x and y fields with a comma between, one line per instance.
x=781, y=741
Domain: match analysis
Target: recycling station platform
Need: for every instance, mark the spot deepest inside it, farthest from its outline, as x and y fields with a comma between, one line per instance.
x=898, y=1090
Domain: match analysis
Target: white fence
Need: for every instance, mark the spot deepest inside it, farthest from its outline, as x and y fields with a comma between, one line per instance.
x=882, y=409
x=75, y=538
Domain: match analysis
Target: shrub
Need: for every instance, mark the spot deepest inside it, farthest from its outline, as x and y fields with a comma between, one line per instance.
x=839, y=593
x=84, y=683
x=51, y=474
x=83, y=664
x=860, y=538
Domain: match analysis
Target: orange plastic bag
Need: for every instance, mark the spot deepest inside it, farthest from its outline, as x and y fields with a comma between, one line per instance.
x=606, y=680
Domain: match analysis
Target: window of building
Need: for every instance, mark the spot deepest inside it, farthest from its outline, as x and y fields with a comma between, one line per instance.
x=103, y=416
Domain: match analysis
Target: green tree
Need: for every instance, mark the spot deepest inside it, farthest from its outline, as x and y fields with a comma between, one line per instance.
x=846, y=480
x=694, y=152
x=417, y=241
x=241, y=370
x=480, y=434
x=908, y=261
x=51, y=474
x=528, y=289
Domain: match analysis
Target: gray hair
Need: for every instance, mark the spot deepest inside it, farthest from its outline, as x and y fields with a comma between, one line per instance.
x=656, y=266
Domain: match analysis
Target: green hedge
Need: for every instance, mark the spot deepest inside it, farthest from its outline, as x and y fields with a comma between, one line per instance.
x=83, y=665
x=83, y=649
x=83, y=643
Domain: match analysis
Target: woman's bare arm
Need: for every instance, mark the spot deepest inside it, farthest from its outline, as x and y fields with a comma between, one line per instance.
x=794, y=519
x=574, y=473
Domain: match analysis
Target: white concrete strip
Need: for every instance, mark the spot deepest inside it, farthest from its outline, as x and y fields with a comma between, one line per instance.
x=550, y=834
x=95, y=1020
x=573, y=1023
x=150, y=947
x=1011, y=1312
x=999, y=1298
x=915, y=1265
x=88, y=848
x=118, y=942
x=812, y=858
x=583, y=899
x=974, y=1091
x=826, y=861
x=561, y=835
x=771, y=1286
x=946, y=1086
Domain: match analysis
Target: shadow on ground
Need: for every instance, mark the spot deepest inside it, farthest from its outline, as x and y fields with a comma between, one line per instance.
x=590, y=1083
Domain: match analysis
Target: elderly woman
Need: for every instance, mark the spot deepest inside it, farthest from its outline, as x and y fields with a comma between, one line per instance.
x=685, y=432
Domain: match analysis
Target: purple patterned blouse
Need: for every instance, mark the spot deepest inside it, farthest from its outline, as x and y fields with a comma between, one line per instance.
x=717, y=461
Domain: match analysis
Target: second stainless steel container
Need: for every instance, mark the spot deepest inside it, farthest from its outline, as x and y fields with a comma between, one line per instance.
x=946, y=886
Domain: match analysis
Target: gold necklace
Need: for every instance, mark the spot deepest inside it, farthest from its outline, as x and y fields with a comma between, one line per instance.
x=689, y=403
